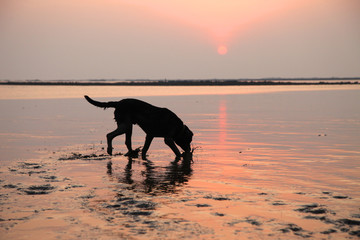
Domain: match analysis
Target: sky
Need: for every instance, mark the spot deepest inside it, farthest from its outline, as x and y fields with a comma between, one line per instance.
x=178, y=39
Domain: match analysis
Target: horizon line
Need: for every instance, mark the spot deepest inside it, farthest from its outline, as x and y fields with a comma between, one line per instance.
x=187, y=82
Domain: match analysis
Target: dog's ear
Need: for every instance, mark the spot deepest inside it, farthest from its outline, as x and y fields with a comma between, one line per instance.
x=189, y=131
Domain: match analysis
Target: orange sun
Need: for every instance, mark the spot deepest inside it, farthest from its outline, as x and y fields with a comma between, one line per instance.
x=222, y=50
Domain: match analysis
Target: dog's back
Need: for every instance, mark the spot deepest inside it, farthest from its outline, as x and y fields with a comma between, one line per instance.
x=127, y=105
x=153, y=120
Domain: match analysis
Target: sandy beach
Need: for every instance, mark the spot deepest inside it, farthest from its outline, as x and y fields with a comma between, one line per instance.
x=270, y=162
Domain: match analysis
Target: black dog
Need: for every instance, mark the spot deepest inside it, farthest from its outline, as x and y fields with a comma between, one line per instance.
x=155, y=121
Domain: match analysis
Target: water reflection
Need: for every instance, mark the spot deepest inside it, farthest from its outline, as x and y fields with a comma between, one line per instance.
x=146, y=176
x=222, y=122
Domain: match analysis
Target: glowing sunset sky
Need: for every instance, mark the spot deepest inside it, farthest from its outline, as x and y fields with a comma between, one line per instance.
x=178, y=39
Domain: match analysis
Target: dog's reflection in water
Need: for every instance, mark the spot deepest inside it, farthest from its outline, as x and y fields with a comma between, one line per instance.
x=154, y=179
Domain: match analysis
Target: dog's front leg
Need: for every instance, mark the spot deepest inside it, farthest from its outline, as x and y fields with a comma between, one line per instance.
x=170, y=142
x=148, y=141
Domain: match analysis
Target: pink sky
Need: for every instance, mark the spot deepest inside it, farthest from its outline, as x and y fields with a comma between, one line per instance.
x=179, y=39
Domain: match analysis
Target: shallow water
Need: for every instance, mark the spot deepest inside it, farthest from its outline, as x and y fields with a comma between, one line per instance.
x=268, y=163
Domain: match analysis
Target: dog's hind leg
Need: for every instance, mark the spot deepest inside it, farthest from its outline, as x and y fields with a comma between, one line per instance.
x=128, y=140
x=110, y=136
x=148, y=141
x=170, y=142
x=122, y=128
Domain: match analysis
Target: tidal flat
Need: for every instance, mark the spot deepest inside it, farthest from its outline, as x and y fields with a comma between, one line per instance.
x=269, y=162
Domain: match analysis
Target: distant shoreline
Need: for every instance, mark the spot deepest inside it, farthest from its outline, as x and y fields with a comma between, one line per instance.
x=203, y=82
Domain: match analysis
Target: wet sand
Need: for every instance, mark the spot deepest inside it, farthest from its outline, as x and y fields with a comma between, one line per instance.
x=267, y=165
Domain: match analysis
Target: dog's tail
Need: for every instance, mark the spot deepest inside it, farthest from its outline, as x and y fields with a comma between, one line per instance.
x=101, y=104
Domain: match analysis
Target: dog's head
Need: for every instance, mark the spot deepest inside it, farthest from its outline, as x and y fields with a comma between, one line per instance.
x=184, y=139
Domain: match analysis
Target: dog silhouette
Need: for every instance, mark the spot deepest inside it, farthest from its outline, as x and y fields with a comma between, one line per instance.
x=154, y=121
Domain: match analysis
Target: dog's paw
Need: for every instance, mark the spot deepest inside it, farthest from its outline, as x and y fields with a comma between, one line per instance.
x=144, y=157
x=188, y=156
x=109, y=150
x=132, y=154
